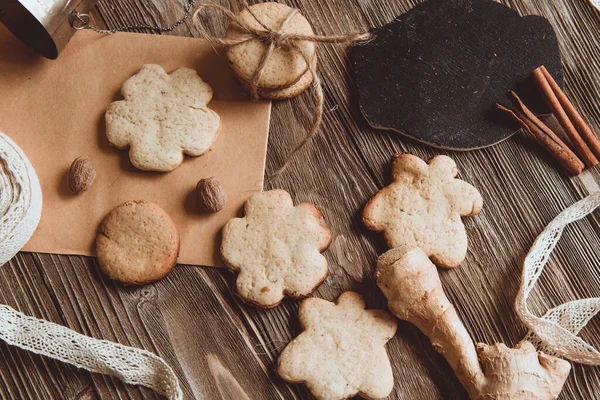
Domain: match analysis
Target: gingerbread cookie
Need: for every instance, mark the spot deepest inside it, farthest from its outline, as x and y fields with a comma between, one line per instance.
x=285, y=66
x=422, y=207
x=137, y=243
x=341, y=351
x=162, y=117
x=276, y=248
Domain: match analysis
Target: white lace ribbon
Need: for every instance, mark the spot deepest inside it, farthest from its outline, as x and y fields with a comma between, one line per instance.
x=556, y=332
x=20, y=210
x=131, y=365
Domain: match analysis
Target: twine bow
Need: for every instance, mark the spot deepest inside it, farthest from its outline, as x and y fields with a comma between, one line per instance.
x=279, y=39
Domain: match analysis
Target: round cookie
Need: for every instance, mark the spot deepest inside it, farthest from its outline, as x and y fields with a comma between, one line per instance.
x=285, y=93
x=284, y=67
x=292, y=91
x=137, y=243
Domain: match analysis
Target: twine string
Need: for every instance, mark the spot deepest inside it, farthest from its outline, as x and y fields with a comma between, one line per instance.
x=278, y=38
x=275, y=37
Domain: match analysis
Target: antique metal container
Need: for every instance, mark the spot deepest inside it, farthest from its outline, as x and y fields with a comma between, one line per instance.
x=44, y=25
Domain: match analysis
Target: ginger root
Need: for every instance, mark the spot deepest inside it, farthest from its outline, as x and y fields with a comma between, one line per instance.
x=414, y=291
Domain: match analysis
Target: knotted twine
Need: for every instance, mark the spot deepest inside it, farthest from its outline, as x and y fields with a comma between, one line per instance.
x=278, y=39
x=20, y=210
x=556, y=332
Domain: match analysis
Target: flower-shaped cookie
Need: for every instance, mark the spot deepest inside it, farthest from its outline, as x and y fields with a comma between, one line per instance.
x=276, y=248
x=341, y=351
x=422, y=207
x=162, y=117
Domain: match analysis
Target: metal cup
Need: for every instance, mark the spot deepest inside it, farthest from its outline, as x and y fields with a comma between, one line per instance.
x=43, y=25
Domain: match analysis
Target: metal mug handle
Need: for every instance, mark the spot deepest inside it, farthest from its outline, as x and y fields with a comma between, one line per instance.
x=80, y=21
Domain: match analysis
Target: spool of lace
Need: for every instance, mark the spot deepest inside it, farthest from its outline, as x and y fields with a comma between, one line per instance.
x=20, y=211
x=20, y=199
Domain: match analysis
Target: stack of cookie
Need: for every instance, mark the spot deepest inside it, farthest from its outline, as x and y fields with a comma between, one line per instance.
x=285, y=73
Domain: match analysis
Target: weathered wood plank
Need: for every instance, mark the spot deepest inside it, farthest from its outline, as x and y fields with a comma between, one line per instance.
x=24, y=375
x=193, y=320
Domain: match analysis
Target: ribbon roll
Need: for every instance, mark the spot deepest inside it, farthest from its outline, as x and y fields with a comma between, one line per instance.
x=20, y=199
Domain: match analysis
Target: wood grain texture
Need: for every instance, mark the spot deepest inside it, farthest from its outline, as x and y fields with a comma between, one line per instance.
x=223, y=349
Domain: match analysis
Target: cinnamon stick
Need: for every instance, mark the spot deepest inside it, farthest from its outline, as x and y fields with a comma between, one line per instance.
x=544, y=136
x=574, y=116
x=580, y=146
x=529, y=115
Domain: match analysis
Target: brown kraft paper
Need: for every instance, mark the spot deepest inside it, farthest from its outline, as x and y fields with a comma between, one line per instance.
x=55, y=110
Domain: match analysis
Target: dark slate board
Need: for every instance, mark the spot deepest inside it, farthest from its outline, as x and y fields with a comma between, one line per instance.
x=436, y=72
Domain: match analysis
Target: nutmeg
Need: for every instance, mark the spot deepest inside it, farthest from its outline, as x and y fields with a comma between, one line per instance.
x=81, y=175
x=211, y=195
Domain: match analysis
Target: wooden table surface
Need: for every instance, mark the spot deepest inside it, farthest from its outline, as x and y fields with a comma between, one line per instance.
x=222, y=348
